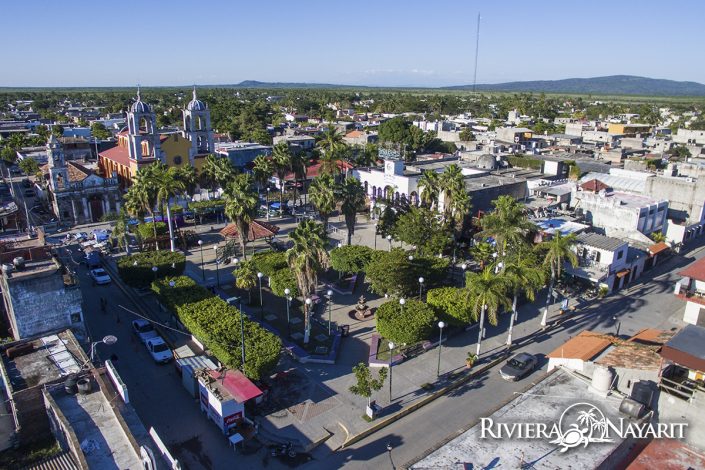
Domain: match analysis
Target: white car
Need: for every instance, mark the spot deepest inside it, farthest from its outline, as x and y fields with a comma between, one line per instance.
x=159, y=350
x=100, y=276
x=143, y=329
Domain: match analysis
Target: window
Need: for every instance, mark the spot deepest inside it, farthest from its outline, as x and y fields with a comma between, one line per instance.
x=76, y=317
x=620, y=254
x=177, y=160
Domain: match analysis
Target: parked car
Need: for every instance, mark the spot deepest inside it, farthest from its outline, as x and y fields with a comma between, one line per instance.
x=92, y=259
x=81, y=236
x=100, y=277
x=159, y=350
x=143, y=329
x=518, y=367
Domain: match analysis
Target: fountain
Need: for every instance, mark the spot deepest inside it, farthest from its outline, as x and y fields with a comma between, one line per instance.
x=361, y=309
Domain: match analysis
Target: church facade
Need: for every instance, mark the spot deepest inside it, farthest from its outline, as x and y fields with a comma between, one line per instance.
x=141, y=144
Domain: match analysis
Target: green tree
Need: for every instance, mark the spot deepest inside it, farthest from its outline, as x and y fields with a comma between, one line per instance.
x=393, y=273
x=167, y=184
x=29, y=166
x=387, y=221
x=451, y=305
x=525, y=275
x=333, y=147
x=487, y=292
x=395, y=130
x=241, y=206
x=262, y=170
x=216, y=172
x=507, y=224
x=99, y=131
x=556, y=251
x=421, y=228
x=281, y=160
x=351, y=258
x=306, y=258
x=658, y=237
x=120, y=232
x=246, y=278
x=365, y=385
x=483, y=253
x=429, y=186
x=321, y=194
x=57, y=130
x=466, y=135
x=352, y=197
x=405, y=324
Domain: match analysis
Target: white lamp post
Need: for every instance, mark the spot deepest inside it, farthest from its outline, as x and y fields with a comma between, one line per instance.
x=203, y=274
x=391, y=360
x=261, y=305
x=421, y=281
x=307, y=331
x=107, y=340
x=464, y=266
x=402, y=301
x=441, y=325
x=389, y=239
x=330, y=307
x=287, y=293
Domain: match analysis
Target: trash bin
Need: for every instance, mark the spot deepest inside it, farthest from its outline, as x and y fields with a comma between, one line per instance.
x=344, y=330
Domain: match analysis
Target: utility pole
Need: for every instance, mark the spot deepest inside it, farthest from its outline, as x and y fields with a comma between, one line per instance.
x=477, y=52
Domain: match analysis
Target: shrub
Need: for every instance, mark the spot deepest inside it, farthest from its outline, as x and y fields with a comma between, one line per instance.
x=282, y=279
x=409, y=325
x=141, y=274
x=451, y=305
x=351, y=258
x=391, y=272
x=146, y=230
x=217, y=325
x=269, y=262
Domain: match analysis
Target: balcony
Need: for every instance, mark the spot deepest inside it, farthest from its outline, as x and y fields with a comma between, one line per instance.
x=685, y=290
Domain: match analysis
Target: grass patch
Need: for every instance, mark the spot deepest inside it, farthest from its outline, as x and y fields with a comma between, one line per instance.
x=427, y=387
x=367, y=418
x=29, y=454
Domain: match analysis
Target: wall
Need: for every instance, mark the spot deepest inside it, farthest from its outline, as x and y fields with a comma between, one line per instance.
x=672, y=409
x=29, y=298
x=692, y=313
x=62, y=431
x=685, y=196
x=481, y=199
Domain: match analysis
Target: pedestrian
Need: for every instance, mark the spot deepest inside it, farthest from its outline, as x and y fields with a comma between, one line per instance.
x=103, y=304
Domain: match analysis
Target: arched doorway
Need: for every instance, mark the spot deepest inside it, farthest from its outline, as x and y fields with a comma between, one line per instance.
x=96, y=204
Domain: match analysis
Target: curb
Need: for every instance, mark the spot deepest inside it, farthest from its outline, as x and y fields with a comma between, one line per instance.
x=425, y=401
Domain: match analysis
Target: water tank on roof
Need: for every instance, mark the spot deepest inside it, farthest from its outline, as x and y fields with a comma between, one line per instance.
x=7, y=268
x=18, y=262
x=601, y=380
x=642, y=392
x=632, y=408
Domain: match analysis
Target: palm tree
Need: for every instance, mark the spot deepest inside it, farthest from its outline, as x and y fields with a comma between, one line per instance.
x=658, y=237
x=141, y=198
x=556, y=251
x=452, y=186
x=167, y=183
x=306, y=258
x=281, y=160
x=352, y=195
x=429, y=186
x=322, y=196
x=507, y=224
x=298, y=167
x=246, y=278
x=483, y=253
x=487, y=292
x=120, y=232
x=525, y=275
x=262, y=169
x=241, y=206
x=217, y=171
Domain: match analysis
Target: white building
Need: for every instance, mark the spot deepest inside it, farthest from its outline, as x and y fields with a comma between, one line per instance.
x=603, y=261
x=691, y=288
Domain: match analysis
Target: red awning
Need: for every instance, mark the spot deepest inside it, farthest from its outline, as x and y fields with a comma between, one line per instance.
x=658, y=248
x=623, y=272
x=237, y=384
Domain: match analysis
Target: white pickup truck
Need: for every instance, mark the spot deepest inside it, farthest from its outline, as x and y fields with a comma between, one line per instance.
x=159, y=350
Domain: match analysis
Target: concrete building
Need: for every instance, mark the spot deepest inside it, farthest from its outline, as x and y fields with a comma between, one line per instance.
x=629, y=130
x=27, y=366
x=691, y=289
x=33, y=279
x=689, y=136
x=241, y=154
x=76, y=193
x=360, y=138
x=601, y=260
x=600, y=138
x=517, y=135
x=303, y=142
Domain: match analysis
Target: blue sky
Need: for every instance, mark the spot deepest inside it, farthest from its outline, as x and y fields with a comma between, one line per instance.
x=382, y=42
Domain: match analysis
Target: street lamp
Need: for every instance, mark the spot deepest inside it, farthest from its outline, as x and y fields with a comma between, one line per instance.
x=307, y=331
x=389, y=239
x=266, y=204
x=618, y=324
x=330, y=307
x=261, y=305
x=287, y=293
x=203, y=273
x=464, y=266
x=107, y=340
x=411, y=257
x=376, y=227
x=421, y=280
x=391, y=359
x=441, y=325
x=402, y=301
x=389, y=451
x=217, y=273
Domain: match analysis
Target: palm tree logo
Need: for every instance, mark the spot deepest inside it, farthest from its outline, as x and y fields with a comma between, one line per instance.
x=581, y=423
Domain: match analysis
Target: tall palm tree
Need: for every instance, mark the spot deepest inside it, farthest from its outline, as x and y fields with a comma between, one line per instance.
x=483, y=253
x=487, y=292
x=333, y=147
x=298, y=167
x=241, y=206
x=120, y=232
x=281, y=160
x=507, y=224
x=167, y=183
x=140, y=199
x=525, y=275
x=246, y=278
x=322, y=195
x=452, y=186
x=556, y=251
x=352, y=196
x=429, y=186
x=262, y=169
x=306, y=258
x=217, y=172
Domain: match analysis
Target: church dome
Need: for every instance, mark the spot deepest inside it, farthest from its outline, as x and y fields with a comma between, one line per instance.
x=487, y=162
x=196, y=105
x=140, y=106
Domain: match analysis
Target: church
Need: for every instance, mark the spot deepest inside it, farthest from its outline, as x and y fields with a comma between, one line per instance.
x=76, y=193
x=141, y=144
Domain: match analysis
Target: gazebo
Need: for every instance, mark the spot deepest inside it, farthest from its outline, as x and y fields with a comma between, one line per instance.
x=257, y=231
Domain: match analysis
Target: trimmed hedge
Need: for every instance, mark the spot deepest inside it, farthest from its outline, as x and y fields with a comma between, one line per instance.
x=141, y=275
x=351, y=258
x=217, y=325
x=146, y=230
x=269, y=262
x=282, y=279
x=451, y=305
x=520, y=161
x=409, y=325
x=391, y=272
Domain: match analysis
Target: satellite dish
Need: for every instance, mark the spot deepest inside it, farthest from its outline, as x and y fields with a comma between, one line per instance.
x=110, y=339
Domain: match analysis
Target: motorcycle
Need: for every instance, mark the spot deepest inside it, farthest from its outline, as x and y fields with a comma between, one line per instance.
x=284, y=450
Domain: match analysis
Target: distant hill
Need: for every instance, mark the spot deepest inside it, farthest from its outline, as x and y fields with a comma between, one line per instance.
x=256, y=84
x=612, y=85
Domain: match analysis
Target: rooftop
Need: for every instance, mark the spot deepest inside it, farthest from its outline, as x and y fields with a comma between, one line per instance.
x=233, y=384
x=686, y=348
x=45, y=360
x=565, y=227
x=620, y=183
x=668, y=454
x=97, y=428
x=585, y=346
x=695, y=270
x=601, y=242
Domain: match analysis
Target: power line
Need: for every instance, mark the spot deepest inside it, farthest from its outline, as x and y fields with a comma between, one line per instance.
x=154, y=321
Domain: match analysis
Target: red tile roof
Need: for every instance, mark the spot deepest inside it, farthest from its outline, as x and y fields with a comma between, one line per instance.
x=237, y=384
x=353, y=134
x=695, y=270
x=668, y=454
x=315, y=169
x=585, y=346
x=594, y=186
x=257, y=231
x=658, y=248
x=119, y=155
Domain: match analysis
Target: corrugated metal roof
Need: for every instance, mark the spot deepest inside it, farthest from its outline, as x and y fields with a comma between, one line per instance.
x=619, y=183
x=196, y=362
x=602, y=242
x=63, y=461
